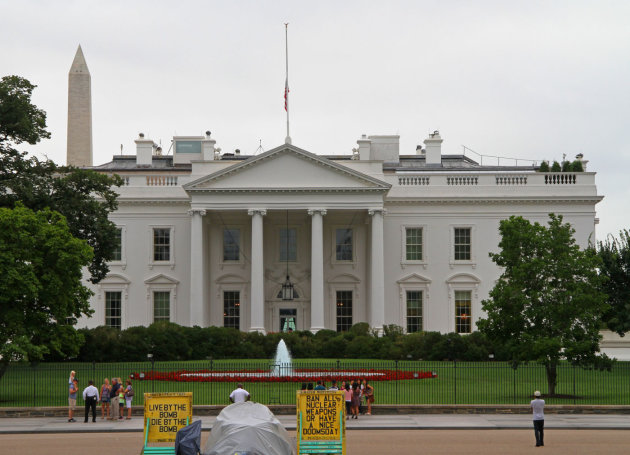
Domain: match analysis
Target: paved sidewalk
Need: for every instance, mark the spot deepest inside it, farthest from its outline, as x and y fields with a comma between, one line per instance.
x=35, y=425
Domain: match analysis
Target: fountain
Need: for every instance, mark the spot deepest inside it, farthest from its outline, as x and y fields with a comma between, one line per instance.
x=282, y=371
x=282, y=363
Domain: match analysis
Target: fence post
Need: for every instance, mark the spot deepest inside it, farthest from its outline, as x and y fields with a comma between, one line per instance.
x=574, y=397
x=211, y=382
x=397, y=402
x=514, y=384
x=455, y=382
x=34, y=365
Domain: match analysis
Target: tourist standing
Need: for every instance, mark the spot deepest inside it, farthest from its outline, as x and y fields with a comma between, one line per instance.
x=538, y=409
x=105, y=389
x=128, y=398
x=239, y=395
x=319, y=385
x=121, y=399
x=347, y=393
x=90, y=396
x=113, y=396
x=356, y=399
x=333, y=386
x=368, y=391
x=72, y=398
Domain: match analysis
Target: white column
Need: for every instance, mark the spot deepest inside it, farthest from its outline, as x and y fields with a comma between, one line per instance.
x=317, y=270
x=197, y=305
x=377, y=272
x=257, y=300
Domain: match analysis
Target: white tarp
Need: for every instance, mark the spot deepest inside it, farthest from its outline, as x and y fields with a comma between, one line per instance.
x=248, y=428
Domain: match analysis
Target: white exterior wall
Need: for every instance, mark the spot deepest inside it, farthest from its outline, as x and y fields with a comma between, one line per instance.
x=293, y=180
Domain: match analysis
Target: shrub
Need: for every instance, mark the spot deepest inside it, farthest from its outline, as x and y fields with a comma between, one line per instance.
x=566, y=166
x=360, y=329
x=555, y=167
x=544, y=167
x=577, y=166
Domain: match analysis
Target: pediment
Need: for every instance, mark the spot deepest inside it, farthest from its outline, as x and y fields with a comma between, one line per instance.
x=414, y=278
x=345, y=278
x=463, y=278
x=287, y=168
x=230, y=278
x=161, y=279
x=115, y=278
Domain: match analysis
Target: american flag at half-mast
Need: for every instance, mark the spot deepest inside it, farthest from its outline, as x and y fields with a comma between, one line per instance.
x=286, y=94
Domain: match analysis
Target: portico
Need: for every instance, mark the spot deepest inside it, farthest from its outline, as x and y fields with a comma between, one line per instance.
x=335, y=233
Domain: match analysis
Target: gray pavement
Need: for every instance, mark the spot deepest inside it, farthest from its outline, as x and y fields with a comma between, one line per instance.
x=34, y=425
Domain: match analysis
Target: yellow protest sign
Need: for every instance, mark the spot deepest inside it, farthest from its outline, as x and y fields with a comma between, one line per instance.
x=321, y=420
x=167, y=413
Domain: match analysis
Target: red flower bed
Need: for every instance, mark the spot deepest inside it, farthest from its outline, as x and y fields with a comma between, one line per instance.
x=297, y=375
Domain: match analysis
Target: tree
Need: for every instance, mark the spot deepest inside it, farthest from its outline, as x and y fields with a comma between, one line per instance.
x=547, y=304
x=41, y=295
x=84, y=197
x=20, y=120
x=615, y=256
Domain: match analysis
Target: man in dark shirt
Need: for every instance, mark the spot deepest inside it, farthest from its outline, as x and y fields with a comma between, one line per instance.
x=114, y=399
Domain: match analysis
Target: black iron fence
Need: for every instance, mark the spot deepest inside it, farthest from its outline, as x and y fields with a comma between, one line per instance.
x=394, y=382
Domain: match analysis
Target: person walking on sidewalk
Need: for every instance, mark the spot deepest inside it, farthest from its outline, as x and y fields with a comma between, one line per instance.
x=90, y=396
x=72, y=398
x=538, y=409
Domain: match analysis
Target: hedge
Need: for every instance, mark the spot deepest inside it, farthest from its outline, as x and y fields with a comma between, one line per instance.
x=169, y=341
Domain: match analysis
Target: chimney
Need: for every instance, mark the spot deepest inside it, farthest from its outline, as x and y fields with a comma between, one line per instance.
x=207, y=147
x=364, y=147
x=144, y=150
x=433, y=146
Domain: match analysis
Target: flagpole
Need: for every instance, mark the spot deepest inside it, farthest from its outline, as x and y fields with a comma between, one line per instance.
x=287, y=140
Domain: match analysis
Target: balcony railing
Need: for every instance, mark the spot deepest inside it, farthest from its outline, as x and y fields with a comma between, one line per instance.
x=492, y=179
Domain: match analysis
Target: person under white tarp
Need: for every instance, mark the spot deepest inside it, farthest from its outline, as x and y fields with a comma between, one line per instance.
x=248, y=428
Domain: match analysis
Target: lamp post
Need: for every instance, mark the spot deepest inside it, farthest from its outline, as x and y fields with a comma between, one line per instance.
x=152, y=360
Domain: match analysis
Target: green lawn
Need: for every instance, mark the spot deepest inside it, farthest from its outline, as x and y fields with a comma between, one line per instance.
x=456, y=383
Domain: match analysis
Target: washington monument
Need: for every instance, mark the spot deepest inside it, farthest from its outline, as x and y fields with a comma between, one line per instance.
x=79, y=151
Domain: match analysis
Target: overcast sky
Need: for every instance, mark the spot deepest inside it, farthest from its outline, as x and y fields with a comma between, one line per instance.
x=521, y=79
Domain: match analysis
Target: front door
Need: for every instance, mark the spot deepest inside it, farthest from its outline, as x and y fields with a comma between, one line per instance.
x=288, y=317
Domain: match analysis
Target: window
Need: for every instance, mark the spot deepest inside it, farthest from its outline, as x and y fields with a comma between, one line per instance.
x=343, y=244
x=113, y=309
x=161, y=244
x=288, y=317
x=462, y=244
x=117, y=254
x=344, y=311
x=413, y=244
x=414, y=311
x=231, y=309
x=231, y=244
x=288, y=245
x=463, y=311
x=161, y=306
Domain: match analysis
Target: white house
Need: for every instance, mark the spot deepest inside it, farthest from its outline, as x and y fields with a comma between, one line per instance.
x=377, y=236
